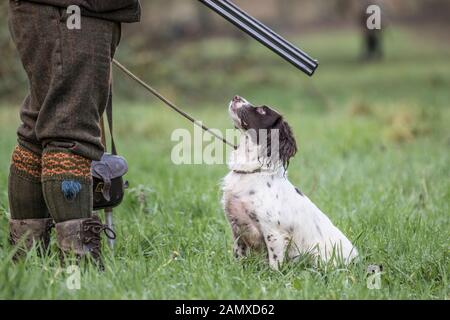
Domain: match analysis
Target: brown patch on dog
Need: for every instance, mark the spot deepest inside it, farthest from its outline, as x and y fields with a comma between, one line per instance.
x=243, y=223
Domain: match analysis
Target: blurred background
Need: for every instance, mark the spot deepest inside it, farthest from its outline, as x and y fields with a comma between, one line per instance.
x=188, y=52
x=398, y=77
x=372, y=127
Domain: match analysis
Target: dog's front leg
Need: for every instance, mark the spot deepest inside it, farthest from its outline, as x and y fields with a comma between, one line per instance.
x=240, y=249
x=276, y=247
x=246, y=237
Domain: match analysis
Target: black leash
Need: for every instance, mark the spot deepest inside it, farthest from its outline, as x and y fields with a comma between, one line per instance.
x=169, y=103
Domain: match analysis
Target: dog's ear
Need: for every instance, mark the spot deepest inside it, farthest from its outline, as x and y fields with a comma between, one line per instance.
x=287, y=146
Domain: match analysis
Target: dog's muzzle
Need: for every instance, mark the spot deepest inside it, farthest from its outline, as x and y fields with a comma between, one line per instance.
x=237, y=102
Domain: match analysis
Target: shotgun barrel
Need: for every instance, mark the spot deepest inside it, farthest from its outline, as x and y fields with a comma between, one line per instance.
x=269, y=32
x=263, y=34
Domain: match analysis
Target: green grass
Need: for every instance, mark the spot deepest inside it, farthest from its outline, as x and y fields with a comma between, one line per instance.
x=374, y=156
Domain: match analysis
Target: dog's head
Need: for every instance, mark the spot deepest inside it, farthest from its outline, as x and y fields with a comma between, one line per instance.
x=264, y=123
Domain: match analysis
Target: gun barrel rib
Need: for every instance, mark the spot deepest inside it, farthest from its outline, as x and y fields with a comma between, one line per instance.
x=263, y=34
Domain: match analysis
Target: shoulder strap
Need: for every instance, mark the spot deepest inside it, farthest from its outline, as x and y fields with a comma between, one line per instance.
x=109, y=117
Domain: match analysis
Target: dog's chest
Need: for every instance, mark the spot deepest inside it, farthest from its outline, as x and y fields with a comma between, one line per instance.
x=258, y=197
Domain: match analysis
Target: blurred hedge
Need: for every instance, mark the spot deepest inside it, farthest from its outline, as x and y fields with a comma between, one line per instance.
x=152, y=46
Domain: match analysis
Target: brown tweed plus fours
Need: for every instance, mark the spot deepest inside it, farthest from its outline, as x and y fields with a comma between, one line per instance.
x=69, y=72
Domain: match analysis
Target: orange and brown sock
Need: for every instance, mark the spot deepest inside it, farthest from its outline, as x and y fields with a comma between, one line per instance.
x=67, y=184
x=26, y=200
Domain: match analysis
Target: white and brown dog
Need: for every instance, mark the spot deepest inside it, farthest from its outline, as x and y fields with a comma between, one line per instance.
x=265, y=210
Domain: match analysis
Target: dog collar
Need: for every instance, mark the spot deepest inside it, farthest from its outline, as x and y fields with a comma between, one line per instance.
x=247, y=172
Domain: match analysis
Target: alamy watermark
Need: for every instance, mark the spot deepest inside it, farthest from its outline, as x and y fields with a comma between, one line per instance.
x=374, y=273
x=374, y=20
x=73, y=280
x=200, y=147
x=74, y=17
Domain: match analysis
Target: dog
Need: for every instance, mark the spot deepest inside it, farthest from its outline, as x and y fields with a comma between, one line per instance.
x=266, y=212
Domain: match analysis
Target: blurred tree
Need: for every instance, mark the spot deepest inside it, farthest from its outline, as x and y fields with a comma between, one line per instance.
x=372, y=38
x=168, y=24
x=12, y=78
x=205, y=19
x=285, y=13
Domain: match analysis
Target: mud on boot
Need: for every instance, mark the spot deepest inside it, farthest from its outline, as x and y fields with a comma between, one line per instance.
x=81, y=238
x=25, y=233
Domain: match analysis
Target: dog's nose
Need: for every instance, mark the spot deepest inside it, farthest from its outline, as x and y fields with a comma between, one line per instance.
x=237, y=99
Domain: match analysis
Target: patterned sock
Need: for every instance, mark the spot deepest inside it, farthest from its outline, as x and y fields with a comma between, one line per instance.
x=67, y=184
x=26, y=200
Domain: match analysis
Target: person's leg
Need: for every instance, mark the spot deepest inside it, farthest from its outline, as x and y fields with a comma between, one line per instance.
x=68, y=127
x=69, y=75
x=30, y=221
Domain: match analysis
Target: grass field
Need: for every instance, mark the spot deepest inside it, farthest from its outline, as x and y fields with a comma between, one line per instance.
x=374, y=155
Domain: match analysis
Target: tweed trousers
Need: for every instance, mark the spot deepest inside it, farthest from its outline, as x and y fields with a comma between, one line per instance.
x=69, y=73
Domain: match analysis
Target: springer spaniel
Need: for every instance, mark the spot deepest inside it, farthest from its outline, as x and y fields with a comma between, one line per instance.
x=265, y=211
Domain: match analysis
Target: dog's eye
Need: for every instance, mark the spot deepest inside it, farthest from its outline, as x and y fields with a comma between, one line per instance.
x=261, y=110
